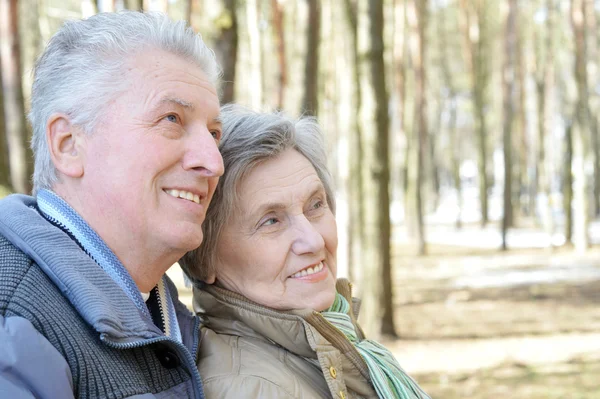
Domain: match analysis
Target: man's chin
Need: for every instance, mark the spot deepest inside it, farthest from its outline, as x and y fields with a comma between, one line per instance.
x=187, y=242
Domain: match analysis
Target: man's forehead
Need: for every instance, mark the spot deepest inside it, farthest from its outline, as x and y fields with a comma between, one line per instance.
x=151, y=68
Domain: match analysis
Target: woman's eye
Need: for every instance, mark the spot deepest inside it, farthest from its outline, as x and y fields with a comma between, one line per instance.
x=270, y=222
x=216, y=134
x=316, y=205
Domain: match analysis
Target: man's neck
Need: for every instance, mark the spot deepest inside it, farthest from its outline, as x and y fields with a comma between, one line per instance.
x=145, y=267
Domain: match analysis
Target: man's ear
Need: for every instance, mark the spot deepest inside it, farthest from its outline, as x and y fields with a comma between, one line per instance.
x=65, y=142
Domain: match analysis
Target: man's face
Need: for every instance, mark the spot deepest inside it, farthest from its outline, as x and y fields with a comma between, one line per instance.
x=152, y=163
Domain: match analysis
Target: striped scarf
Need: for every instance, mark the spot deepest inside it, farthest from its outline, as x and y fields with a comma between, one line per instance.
x=60, y=213
x=389, y=380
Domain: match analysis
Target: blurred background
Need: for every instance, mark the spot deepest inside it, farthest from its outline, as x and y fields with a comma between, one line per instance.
x=464, y=142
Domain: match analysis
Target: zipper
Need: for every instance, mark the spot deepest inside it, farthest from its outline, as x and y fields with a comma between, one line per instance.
x=196, y=341
x=197, y=381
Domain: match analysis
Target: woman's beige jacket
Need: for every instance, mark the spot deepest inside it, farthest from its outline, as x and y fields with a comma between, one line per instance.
x=250, y=351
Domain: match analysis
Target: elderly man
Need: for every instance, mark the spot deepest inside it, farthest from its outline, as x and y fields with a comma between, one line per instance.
x=125, y=132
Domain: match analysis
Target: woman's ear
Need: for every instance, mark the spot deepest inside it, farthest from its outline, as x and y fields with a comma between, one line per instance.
x=65, y=143
x=211, y=278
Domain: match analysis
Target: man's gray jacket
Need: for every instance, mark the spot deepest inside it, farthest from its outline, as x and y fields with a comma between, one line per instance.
x=68, y=330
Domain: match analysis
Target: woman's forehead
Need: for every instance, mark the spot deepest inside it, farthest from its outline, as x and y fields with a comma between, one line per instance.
x=278, y=182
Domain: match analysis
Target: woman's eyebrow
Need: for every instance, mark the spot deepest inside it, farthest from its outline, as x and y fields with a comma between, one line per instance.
x=319, y=189
x=216, y=124
x=277, y=206
x=268, y=206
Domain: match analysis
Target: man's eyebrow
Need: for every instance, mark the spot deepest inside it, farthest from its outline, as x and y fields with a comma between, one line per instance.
x=177, y=101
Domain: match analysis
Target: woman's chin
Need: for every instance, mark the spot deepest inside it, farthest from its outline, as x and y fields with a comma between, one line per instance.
x=324, y=303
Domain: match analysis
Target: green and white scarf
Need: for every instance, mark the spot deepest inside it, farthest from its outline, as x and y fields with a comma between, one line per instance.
x=389, y=380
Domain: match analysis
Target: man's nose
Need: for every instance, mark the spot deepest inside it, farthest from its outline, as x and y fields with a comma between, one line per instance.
x=202, y=154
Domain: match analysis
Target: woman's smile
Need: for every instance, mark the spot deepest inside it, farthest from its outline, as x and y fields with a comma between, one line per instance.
x=312, y=273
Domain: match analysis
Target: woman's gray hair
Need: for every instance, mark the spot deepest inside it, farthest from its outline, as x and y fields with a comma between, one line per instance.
x=250, y=138
x=82, y=70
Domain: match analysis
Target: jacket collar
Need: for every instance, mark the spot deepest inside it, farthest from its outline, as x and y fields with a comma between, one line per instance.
x=298, y=331
x=98, y=299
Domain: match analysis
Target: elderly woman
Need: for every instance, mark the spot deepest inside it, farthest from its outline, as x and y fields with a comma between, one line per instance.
x=276, y=323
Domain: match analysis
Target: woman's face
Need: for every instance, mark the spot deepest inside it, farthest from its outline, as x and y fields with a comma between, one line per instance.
x=279, y=247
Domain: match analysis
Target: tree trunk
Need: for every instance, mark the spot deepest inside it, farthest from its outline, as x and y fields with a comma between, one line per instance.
x=255, y=85
x=418, y=19
x=522, y=180
x=356, y=218
x=592, y=69
x=547, y=123
x=226, y=47
x=509, y=99
x=581, y=139
x=105, y=5
x=310, y=102
x=540, y=175
x=402, y=88
x=4, y=166
x=434, y=168
x=454, y=138
x=277, y=11
x=482, y=153
x=135, y=5
x=381, y=169
x=568, y=183
x=476, y=45
x=16, y=130
x=377, y=281
x=455, y=151
x=193, y=11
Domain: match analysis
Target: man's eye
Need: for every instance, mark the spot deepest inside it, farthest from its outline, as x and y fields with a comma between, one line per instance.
x=172, y=118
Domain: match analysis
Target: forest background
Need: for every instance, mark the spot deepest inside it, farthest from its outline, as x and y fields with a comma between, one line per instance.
x=463, y=136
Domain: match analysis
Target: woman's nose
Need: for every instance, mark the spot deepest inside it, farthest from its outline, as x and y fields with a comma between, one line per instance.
x=307, y=238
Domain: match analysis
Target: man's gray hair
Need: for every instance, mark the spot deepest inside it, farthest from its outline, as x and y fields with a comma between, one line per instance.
x=83, y=66
x=250, y=138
